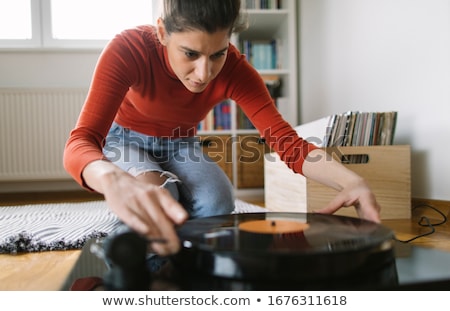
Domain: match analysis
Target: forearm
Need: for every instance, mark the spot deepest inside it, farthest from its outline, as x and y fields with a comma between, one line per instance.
x=321, y=167
x=98, y=175
x=352, y=188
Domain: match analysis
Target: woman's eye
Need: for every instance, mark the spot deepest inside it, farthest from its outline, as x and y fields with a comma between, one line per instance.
x=190, y=54
x=218, y=55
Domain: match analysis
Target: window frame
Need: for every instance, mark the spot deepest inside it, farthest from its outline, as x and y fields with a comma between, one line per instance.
x=35, y=41
x=41, y=28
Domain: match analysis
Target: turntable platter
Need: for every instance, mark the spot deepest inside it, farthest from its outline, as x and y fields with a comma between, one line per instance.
x=294, y=248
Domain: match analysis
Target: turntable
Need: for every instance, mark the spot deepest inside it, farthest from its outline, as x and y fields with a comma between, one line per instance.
x=272, y=251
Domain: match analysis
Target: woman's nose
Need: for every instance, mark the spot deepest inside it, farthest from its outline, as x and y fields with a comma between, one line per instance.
x=203, y=69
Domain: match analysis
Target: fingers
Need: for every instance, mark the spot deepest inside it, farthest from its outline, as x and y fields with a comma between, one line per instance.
x=369, y=209
x=165, y=213
x=172, y=208
x=162, y=213
x=364, y=203
x=152, y=212
x=333, y=206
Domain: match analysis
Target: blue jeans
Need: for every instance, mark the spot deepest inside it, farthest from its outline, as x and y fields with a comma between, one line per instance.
x=195, y=180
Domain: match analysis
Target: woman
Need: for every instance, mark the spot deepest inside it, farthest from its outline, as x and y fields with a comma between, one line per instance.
x=135, y=139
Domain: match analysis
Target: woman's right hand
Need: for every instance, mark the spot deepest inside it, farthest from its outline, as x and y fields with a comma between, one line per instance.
x=145, y=207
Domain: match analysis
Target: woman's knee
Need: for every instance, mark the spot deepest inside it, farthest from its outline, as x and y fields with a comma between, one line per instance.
x=163, y=179
x=213, y=200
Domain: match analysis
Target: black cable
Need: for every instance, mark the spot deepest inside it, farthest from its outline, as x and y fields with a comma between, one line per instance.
x=425, y=222
x=444, y=217
x=432, y=230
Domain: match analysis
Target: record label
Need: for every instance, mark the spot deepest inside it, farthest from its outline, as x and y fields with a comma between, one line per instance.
x=275, y=226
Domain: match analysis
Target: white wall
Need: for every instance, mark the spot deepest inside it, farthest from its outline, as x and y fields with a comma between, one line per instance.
x=379, y=55
x=41, y=69
x=47, y=68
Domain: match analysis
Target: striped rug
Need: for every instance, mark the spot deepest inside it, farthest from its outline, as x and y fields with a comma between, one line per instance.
x=63, y=226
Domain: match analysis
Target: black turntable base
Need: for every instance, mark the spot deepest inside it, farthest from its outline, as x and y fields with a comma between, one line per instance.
x=272, y=251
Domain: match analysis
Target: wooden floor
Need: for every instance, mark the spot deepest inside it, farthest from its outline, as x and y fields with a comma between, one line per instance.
x=48, y=270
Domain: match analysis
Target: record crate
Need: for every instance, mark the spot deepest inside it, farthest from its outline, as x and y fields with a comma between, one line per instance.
x=387, y=169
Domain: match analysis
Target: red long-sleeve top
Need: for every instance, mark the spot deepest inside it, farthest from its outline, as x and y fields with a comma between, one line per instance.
x=134, y=85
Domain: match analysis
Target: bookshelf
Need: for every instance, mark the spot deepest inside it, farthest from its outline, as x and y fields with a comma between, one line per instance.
x=236, y=145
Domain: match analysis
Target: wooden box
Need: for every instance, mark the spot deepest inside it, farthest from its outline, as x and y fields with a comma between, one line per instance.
x=387, y=169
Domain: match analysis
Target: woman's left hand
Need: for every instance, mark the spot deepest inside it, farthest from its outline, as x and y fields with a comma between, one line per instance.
x=358, y=195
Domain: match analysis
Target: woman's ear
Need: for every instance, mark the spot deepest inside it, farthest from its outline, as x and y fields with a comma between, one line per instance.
x=161, y=31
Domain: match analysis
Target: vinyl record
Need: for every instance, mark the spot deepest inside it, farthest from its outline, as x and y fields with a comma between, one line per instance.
x=289, y=247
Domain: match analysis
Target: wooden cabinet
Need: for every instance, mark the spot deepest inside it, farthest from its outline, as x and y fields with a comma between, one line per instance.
x=244, y=152
x=250, y=161
x=219, y=149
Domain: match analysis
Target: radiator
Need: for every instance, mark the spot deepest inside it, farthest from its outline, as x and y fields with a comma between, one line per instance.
x=34, y=126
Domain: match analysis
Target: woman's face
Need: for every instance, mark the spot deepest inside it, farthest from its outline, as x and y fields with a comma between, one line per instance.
x=196, y=57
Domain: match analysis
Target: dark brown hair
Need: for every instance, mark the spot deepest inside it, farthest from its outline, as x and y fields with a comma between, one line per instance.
x=204, y=15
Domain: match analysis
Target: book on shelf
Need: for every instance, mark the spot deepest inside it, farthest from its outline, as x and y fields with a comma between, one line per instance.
x=262, y=4
x=218, y=118
x=351, y=128
x=262, y=54
x=242, y=121
x=273, y=84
